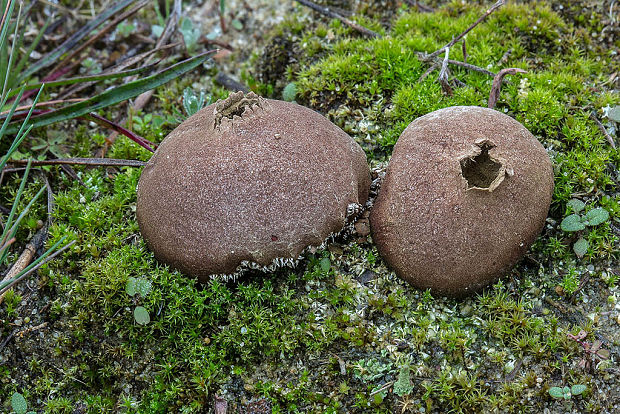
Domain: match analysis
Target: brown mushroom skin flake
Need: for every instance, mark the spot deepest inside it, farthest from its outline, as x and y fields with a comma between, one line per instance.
x=248, y=182
x=465, y=194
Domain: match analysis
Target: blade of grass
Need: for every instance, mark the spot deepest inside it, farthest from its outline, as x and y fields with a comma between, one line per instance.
x=118, y=94
x=68, y=44
x=21, y=134
x=40, y=261
x=11, y=111
x=18, y=110
x=125, y=15
x=4, y=23
x=24, y=59
x=144, y=143
x=14, y=47
x=13, y=228
x=4, y=33
x=89, y=78
x=9, y=221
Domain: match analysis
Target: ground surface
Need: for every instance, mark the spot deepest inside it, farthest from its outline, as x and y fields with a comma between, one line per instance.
x=341, y=333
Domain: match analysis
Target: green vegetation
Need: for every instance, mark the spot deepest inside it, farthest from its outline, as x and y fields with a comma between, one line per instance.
x=341, y=333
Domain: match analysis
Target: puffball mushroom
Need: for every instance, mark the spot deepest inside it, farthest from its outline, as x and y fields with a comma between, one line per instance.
x=465, y=194
x=248, y=182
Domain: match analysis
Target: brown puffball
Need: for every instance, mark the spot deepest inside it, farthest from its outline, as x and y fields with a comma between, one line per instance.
x=248, y=182
x=465, y=194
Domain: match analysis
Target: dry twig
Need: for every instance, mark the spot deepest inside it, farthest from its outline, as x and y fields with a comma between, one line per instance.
x=603, y=130
x=26, y=257
x=326, y=11
x=421, y=7
x=98, y=162
x=497, y=84
x=498, y=4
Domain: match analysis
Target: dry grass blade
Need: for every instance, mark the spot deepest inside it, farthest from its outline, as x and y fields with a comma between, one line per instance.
x=45, y=258
x=95, y=162
x=326, y=11
x=125, y=15
x=53, y=56
x=497, y=84
x=116, y=95
x=143, y=142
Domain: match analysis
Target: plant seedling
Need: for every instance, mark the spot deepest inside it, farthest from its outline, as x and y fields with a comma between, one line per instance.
x=139, y=286
x=565, y=393
x=578, y=222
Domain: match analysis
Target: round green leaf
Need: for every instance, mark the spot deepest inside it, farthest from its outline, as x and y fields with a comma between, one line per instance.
x=141, y=315
x=576, y=205
x=131, y=287
x=556, y=392
x=572, y=223
x=597, y=216
x=325, y=264
x=143, y=286
x=19, y=404
x=581, y=247
x=578, y=389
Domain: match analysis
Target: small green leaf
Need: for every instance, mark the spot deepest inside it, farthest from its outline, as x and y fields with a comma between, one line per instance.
x=141, y=315
x=576, y=205
x=614, y=113
x=556, y=392
x=236, y=23
x=325, y=264
x=143, y=286
x=578, y=389
x=19, y=404
x=581, y=247
x=597, y=216
x=290, y=92
x=572, y=223
x=131, y=287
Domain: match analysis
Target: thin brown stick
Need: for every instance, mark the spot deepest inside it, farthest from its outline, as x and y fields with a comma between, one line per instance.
x=464, y=51
x=35, y=268
x=99, y=162
x=430, y=70
x=469, y=66
x=421, y=7
x=40, y=104
x=603, y=130
x=102, y=32
x=26, y=331
x=497, y=5
x=25, y=258
x=497, y=84
x=326, y=11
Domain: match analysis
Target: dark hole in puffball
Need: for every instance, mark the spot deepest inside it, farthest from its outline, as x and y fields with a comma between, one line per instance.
x=480, y=171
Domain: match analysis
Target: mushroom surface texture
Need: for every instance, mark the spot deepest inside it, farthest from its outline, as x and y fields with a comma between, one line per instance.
x=249, y=182
x=465, y=194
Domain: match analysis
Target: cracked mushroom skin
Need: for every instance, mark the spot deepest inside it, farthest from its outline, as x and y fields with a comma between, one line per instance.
x=466, y=193
x=248, y=181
